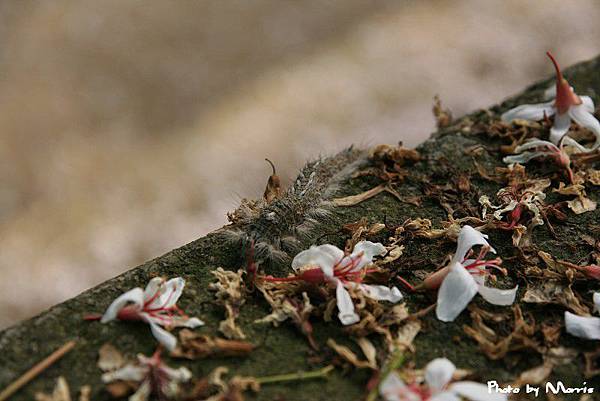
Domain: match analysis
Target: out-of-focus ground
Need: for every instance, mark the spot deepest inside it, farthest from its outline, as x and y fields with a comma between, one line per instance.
x=130, y=128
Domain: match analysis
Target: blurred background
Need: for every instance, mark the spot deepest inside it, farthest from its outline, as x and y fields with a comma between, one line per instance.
x=129, y=128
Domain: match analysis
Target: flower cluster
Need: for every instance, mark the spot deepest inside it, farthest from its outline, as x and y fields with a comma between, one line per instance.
x=155, y=305
x=328, y=264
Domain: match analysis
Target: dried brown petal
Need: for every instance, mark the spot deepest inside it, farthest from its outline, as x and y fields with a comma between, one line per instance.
x=347, y=354
x=550, y=292
x=194, y=346
x=109, y=358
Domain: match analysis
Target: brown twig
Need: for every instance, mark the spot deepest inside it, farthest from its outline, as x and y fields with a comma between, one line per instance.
x=36, y=370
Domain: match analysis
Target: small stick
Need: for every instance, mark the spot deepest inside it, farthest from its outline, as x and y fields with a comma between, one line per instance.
x=295, y=376
x=36, y=370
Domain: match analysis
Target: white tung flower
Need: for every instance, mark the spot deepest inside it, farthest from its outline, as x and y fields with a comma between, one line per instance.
x=584, y=326
x=157, y=306
x=537, y=148
x=566, y=106
x=153, y=375
x=437, y=386
x=327, y=263
x=466, y=277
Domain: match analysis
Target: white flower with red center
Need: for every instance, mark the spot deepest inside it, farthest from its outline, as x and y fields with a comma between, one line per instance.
x=463, y=278
x=157, y=306
x=153, y=375
x=437, y=386
x=587, y=327
x=541, y=149
x=566, y=106
x=329, y=264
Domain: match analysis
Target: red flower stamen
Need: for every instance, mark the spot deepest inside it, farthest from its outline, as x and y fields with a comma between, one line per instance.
x=565, y=97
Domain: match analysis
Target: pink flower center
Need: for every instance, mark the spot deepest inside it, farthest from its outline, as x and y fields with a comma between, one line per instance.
x=480, y=265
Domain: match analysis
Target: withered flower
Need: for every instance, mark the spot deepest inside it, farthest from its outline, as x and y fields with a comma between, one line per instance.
x=328, y=264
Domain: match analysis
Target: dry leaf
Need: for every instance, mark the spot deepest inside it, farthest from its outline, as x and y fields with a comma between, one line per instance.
x=61, y=392
x=581, y=205
x=195, y=346
x=593, y=176
x=109, y=358
x=443, y=117
x=347, y=354
x=273, y=189
x=368, y=349
x=496, y=347
x=229, y=293
x=363, y=196
x=551, y=292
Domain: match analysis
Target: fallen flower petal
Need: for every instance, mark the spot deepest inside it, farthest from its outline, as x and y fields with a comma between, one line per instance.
x=566, y=106
x=437, y=386
x=542, y=149
x=464, y=278
x=329, y=264
x=153, y=375
x=156, y=305
x=456, y=291
x=582, y=326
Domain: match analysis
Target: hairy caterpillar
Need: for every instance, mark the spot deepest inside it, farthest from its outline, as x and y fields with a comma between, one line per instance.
x=281, y=227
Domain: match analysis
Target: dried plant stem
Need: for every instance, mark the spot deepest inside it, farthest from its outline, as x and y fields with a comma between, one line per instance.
x=36, y=370
x=295, y=376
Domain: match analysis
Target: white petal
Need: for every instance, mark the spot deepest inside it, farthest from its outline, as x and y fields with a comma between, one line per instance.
x=391, y=387
x=496, y=296
x=381, y=293
x=456, y=291
x=582, y=326
x=189, y=322
x=596, y=298
x=523, y=158
x=588, y=103
x=369, y=250
x=586, y=119
x=152, y=288
x=126, y=373
x=345, y=305
x=536, y=143
x=323, y=256
x=173, y=291
x=476, y=391
x=533, y=112
x=568, y=141
x=445, y=396
x=142, y=393
x=467, y=239
x=562, y=123
x=163, y=336
x=438, y=373
x=135, y=296
x=193, y=322
x=180, y=375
